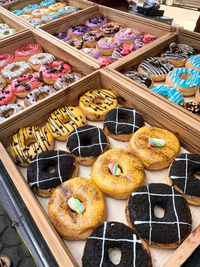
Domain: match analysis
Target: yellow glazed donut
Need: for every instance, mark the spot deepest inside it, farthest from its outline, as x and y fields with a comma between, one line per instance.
x=155, y=147
x=117, y=173
x=76, y=208
x=28, y=142
x=64, y=120
x=96, y=103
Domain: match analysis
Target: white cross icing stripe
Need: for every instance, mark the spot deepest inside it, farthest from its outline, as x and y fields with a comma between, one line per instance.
x=80, y=147
x=103, y=242
x=154, y=194
x=156, y=222
x=53, y=157
x=128, y=124
x=175, y=212
x=115, y=240
x=150, y=219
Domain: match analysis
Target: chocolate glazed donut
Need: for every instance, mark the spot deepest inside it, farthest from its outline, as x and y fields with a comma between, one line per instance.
x=140, y=78
x=115, y=235
x=168, y=231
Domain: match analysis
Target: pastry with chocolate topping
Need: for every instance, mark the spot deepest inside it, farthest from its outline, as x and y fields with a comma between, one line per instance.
x=140, y=78
x=66, y=80
x=8, y=110
x=91, y=38
x=78, y=31
x=192, y=106
x=78, y=44
x=96, y=22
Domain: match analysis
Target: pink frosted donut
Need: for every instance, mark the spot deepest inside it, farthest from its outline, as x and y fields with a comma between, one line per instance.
x=6, y=96
x=51, y=71
x=6, y=59
x=22, y=85
x=127, y=35
x=26, y=51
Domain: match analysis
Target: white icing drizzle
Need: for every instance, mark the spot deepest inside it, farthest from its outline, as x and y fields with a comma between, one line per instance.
x=8, y=72
x=41, y=59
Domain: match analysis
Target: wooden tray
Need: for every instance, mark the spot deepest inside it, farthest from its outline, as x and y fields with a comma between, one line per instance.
x=99, y=79
x=60, y=51
x=127, y=20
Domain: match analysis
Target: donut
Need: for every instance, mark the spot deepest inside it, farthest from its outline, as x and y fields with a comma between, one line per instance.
x=8, y=110
x=169, y=92
x=110, y=235
x=37, y=94
x=47, y=3
x=4, y=26
x=50, y=16
x=181, y=176
x=92, y=52
x=140, y=78
x=106, y=45
x=177, y=54
x=110, y=28
x=26, y=17
x=63, y=121
x=192, y=107
x=2, y=82
x=66, y=80
x=156, y=67
x=165, y=232
x=90, y=38
x=22, y=85
x=49, y=169
x=122, y=51
x=127, y=35
x=55, y=7
x=7, y=32
x=185, y=80
x=30, y=8
x=106, y=60
x=143, y=40
x=38, y=13
x=18, y=12
x=51, y=71
x=67, y=10
x=155, y=147
x=15, y=70
x=193, y=62
x=121, y=122
x=37, y=60
x=86, y=143
x=26, y=51
x=78, y=31
x=63, y=36
x=76, y=208
x=117, y=173
x=6, y=59
x=96, y=103
x=35, y=21
x=96, y=22
x=78, y=44
x=7, y=96
x=28, y=142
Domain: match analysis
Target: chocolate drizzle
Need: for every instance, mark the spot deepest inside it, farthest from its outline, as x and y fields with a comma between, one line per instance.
x=192, y=106
x=66, y=80
x=178, y=51
x=140, y=78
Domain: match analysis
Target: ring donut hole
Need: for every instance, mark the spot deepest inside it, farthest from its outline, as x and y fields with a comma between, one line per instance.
x=115, y=255
x=6, y=32
x=15, y=67
x=51, y=169
x=122, y=117
x=42, y=95
x=185, y=76
x=159, y=211
x=8, y=113
x=197, y=175
x=30, y=141
x=98, y=100
x=66, y=120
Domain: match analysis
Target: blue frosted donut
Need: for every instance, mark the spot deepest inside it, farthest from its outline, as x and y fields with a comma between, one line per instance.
x=30, y=8
x=67, y=10
x=18, y=12
x=47, y=2
x=193, y=62
x=169, y=92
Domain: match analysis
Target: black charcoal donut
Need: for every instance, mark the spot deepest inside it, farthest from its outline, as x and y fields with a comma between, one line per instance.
x=40, y=177
x=166, y=232
x=182, y=176
x=86, y=143
x=121, y=122
x=110, y=235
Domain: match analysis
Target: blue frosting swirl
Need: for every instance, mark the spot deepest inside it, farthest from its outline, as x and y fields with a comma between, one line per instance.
x=30, y=8
x=47, y=2
x=18, y=12
x=195, y=61
x=169, y=92
x=67, y=10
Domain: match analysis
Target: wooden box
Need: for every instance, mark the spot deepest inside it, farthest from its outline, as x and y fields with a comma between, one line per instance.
x=125, y=19
x=156, y=115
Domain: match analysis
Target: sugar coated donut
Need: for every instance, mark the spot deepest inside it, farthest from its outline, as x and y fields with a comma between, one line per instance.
x=92, y=52
x=8, y=110
x=64, y=120
x=35, y=21
x=63, y=36
x=47, y=3
x=30, y=8
x=193, y=62
x=134, y=251
x=28, y=142
x=49, y=169
x=15, y=70
x=37, y=94
x=127, y=35
x=181, y=175
x=78, y=44
x=156, y=67
x=6, y=59
x=96, y=103
x=169, y=92
x=76, y=208
x=78, y=31
x=51, y=71
x=117, y=173
x=25, y=83
x=96, y=22
x=121, y=122
x=6, y=96
x=37, y=60
x=169, y=230
x=86, y=143
x=90, y=38
x=26, y=51
x=67, y=10
x=122, y=51
x=7, y=32
x=110, y=28
x=156, y=147
x=107, y=44
x=177, y=54
x=192, y=107
x=66, y=80
x=185, y=80
x=140, y=78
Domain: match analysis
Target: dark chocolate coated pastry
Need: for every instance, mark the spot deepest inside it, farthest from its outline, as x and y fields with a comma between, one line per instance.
x=178, y=51
x=192, y=106
x=123, y=120
x=140, y=78
x=172, y=228
x=39, y=174
x=115, y=235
